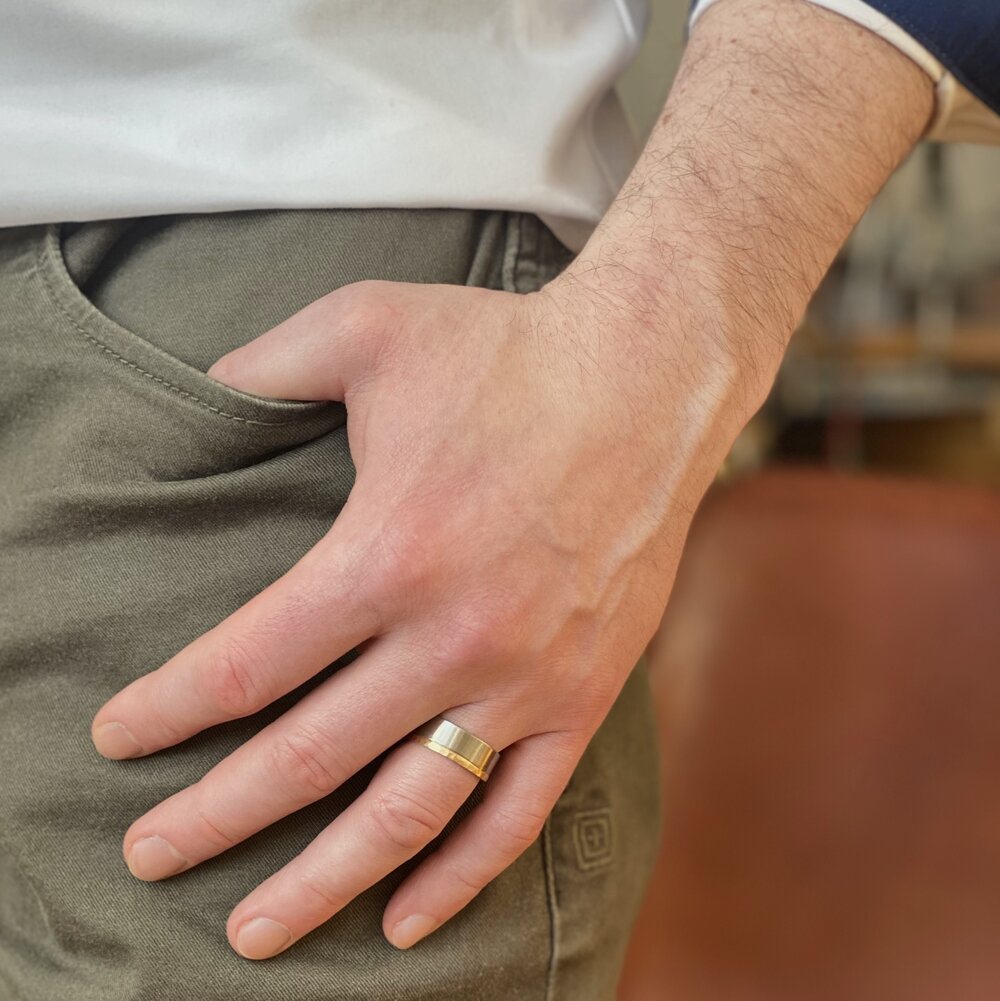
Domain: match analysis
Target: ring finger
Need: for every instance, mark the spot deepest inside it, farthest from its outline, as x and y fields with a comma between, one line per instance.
x=408, y=804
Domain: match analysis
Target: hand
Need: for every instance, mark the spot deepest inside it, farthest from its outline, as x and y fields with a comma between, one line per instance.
x=526, y=469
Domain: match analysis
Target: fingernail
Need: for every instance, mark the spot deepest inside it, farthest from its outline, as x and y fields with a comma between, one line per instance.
x=261, y=938
x=113, y=740
x=154, y=858
x=411, y=930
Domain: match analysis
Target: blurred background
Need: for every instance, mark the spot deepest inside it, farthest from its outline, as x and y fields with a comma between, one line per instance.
x=827, y=674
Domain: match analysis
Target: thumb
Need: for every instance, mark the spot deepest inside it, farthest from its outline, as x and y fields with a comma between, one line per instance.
x=318, y=352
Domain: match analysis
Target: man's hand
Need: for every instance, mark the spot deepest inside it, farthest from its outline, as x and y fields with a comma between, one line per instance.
x=504, y=556
x=527, y=469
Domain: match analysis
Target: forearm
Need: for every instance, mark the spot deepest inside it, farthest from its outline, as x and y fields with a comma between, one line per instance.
x=783, y=123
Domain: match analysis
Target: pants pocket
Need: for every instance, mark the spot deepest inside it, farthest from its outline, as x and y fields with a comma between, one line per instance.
x=132, y=520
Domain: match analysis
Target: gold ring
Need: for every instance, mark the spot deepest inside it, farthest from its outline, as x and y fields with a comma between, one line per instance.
x=453, y=742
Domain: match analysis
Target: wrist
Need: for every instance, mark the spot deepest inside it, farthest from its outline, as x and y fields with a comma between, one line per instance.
x=687, y=330
x=661, y=374
x=784, y=121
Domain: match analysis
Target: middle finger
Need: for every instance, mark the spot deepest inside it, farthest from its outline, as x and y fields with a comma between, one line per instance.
x=304, y=755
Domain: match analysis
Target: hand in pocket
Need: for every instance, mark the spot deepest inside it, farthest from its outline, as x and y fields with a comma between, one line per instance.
x=525, y=481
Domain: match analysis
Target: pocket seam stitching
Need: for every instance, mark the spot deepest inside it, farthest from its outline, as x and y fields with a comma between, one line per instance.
x=54, y=299
x=552, y=902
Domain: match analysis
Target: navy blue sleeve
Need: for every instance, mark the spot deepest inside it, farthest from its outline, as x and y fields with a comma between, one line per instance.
x=964, y=36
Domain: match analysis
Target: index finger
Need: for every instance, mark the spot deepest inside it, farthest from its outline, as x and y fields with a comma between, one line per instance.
x=277, y=640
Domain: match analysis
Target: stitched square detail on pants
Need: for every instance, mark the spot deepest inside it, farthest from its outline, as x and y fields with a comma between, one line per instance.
x=593, y=836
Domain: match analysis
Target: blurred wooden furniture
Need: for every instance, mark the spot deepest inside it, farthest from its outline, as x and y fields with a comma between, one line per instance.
x=828, y=682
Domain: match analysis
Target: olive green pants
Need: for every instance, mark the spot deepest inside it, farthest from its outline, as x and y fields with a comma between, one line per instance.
x=140, y=503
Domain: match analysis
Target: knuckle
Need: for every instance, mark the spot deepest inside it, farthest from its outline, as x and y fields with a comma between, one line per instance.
x=169, y=730
x=343, y=299
x=231, y=682
x=307, y=760
x=318, y=884
x=358, y=306
x=403, y=822
x=355, y=294
x=483, y=633
x=375, y=299
x=405, y=559
x=518, y=829
x=467, y=879
x=210, y=831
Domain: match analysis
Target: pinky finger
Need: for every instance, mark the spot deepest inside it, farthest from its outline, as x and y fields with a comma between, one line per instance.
x=528, y=780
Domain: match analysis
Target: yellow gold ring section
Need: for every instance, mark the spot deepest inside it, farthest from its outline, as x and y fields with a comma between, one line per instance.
x=457, y=744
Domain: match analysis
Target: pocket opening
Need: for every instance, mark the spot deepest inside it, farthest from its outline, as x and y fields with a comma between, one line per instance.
x=135, y=357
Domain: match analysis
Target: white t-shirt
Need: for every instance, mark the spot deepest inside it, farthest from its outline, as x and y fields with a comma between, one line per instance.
x=114, y=108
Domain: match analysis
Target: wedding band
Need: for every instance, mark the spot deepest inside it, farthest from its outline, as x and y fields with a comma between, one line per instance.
x=453, y=742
